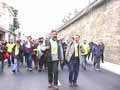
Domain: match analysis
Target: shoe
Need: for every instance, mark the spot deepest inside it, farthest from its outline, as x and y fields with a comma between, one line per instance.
x=70, y=85
x=75, y=84
x=50, y=86
x=84, y=68
x=97, y=69
x=13, y=71
x=56, y=87
x=30, y=69
x=39, y=70
x=36, y=67
x=9, y=65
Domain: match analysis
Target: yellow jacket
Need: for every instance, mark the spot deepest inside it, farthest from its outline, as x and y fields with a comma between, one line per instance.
x=86, y=48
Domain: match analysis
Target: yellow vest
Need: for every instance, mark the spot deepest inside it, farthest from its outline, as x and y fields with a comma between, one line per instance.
x=16, y=50
x=54, y=47
x=76, y=49
x=86, y=49
x=10, y=47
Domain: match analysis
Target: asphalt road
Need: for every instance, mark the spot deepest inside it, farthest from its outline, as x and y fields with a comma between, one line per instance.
x=88, y=80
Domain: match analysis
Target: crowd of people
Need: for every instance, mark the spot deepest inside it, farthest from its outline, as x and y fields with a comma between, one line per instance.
x=48, y=53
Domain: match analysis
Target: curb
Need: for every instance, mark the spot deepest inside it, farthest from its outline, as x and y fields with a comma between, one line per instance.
x=114, y=68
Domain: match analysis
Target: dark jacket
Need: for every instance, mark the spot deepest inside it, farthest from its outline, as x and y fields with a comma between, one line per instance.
x=20, y=52
x=2, y=51
x=48, y=52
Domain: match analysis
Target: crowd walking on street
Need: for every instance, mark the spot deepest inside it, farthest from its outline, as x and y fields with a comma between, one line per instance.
x=48, y=53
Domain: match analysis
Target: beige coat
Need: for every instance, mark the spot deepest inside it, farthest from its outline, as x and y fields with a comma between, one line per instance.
x=70, y=51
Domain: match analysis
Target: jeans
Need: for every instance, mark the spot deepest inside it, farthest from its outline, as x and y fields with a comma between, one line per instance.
x=74, y=70
x=29, y=60
x=53, y=72
x=9, y=59
x=96, y=63
x=84, y=62
x=1, y=65
x=16, y=64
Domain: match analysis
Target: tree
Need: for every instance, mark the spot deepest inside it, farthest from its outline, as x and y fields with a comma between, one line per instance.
x=16, y=24
x=15, y=12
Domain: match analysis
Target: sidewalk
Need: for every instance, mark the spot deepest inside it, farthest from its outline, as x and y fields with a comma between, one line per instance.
x=111, y=67
x=115, y=68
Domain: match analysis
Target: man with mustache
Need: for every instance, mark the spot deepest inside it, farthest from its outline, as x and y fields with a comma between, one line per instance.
x=55, y=53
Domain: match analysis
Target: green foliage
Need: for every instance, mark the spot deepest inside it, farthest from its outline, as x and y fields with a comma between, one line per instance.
x=16, y=24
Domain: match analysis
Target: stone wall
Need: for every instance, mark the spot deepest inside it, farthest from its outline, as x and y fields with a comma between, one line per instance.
x=101, y=24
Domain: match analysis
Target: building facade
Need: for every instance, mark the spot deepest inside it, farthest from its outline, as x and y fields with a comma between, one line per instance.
x=98, y=22
x=6, y=22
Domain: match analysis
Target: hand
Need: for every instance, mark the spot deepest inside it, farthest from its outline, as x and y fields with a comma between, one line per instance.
x=47, y=47
x=62, y=61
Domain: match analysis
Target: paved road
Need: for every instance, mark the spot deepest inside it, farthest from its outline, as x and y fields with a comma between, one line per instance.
x=88, y=80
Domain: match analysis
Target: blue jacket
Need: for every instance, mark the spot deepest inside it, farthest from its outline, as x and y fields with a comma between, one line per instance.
x=97, y=52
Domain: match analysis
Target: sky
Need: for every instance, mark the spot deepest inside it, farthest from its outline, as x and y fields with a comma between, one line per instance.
x=39, y=17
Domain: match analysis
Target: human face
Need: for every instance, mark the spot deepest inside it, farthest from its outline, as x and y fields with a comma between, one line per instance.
x=29, y=38
x=54, y=35
x=84, y=41
x=77, y=38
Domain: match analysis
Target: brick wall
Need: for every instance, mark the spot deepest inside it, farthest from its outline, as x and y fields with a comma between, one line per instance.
x=101, y=24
